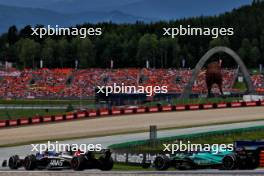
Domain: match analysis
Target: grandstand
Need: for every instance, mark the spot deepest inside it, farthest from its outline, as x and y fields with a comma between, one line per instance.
x=70, y=83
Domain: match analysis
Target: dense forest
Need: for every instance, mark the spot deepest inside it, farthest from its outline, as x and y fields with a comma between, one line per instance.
x=130, y=45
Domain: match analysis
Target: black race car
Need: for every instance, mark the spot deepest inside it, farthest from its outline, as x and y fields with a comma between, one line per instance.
x=93, y=160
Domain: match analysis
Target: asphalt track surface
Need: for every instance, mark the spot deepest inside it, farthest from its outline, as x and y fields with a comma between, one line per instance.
x=251, y=113
x=109, y=125
x=132, y=173
x=108, y=140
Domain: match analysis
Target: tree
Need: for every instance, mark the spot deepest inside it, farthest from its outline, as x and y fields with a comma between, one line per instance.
x=47, y=52
x=255, y=56
x=147, y=48
x=84, y=51
x=245, y=51
x=164, y=46
x=220, y=41
x=61, y=51
x=12, y=35
x=28, y=51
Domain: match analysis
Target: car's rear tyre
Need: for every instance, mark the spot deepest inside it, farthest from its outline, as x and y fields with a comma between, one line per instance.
x=30, y=162
x=229, y=162
x=13, y=162
x=106, y=164
x=162, y=162
x=77, y=163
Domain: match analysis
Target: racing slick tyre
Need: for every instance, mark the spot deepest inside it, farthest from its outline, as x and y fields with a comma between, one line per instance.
x=230, y=162
x=30, y=162
x=78, y=162
x=161, y=162
x=106, y=164
x=14, y=162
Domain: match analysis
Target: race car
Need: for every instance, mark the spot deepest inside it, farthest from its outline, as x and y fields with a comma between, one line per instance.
x=93, y=160
x=47, y=160
x=246, y=155
x=190, y=161
x=62, y=160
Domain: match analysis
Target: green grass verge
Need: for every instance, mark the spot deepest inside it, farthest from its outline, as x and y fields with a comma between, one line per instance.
x=195, y=101
x=12, y=114
x=240, y=85
x=222, y=137
x=126, y=167
x=46, y=102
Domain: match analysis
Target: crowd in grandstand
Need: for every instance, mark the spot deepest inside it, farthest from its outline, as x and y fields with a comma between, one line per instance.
x=71, y=83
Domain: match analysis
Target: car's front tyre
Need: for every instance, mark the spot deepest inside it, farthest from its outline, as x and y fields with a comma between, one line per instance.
x=162, y=162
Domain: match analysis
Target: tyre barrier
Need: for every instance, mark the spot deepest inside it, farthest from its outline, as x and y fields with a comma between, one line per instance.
x=119, y=111
x=47, y=119
x=35, y=120
x=92, y=114
x=166, y=108
x=261, y=158
x=116, y=111
x=128, y=111
x=69, y=117
x=3, y=123
x=207, y=106
x=221, y=105
x=141, y=110
x=103, y=112
x=58, y=118
x=23, y=121
x=180, y=107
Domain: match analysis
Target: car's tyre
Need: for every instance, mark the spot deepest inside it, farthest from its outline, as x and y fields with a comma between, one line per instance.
x=13, y=162
x=78, y=162
x=230, y=162
x=106, y=164
x=30, y=162
x=162, y=162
